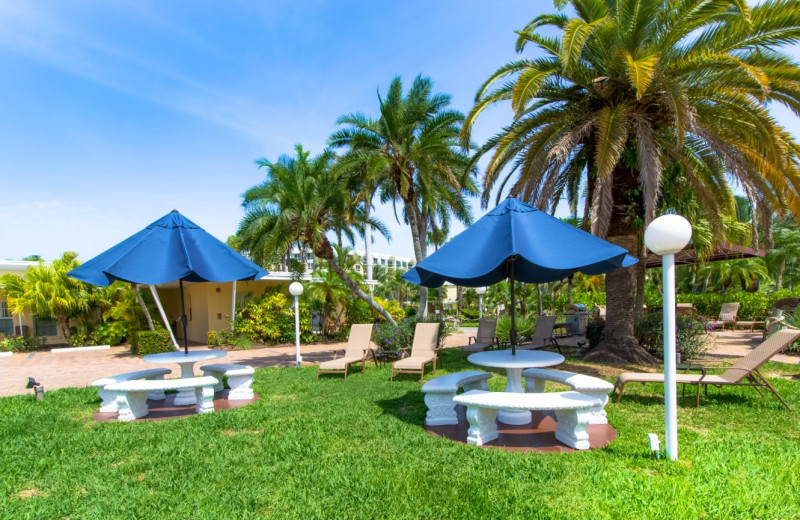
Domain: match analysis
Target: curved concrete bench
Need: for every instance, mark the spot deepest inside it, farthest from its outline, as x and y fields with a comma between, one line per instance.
x=439, y=393
x=240, y=379
x=132, y=395
x=109, y=399
x=572, y=413
x=535, y=379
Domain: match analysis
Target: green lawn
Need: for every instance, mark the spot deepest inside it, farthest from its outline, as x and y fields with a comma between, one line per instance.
x=357, y=449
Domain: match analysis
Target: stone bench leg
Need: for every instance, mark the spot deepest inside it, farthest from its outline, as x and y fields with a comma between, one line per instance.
x=572, y=428
x=598, y=413
x=205, y=399
x=240, y=387
x=108, y=400
x=131, y=405
x=482, y=425
x=219, y=387
x=156, y=395
x=534, y=385
x=441, y=408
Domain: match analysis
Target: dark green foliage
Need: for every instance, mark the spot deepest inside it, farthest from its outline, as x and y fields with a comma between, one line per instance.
x=691, y=334
x=153, y=342
x=751, y=305
x=111, y=332
x=358, y=311
x=524, y=325
x=469, y=314
x=594, y=331
x=270, y=319
x=400, y=337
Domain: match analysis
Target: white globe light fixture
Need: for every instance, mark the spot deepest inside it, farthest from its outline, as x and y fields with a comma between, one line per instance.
x=296, y=289
x=481, y=291
x=665, y=236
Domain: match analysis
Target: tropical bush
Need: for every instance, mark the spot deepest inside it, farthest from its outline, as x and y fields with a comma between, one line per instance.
x=82, y=339
x=112, y=332
x=218, y=338
x=751, y=305
x=525, y=326
x=153, y=342
x=401, y=336
x=691, y=335
x=469, y=314
x=21, y=344
x=270, y=319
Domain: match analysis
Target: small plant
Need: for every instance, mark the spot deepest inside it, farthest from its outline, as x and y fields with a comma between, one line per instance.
x=218, y=338
x=154, y=342
x=82, y=339
x=399, y=337
x=111, y=333
x=594, y=331
x=691, y=335
x=523, y=324
x=21, y=344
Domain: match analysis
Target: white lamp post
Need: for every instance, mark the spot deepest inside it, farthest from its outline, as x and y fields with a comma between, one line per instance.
x=296, y=289
x=665, y=236
x=481, y=291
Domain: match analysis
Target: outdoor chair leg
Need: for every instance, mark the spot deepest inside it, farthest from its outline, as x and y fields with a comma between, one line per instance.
x=620, y=392
x=697, y=396
x=772, y=389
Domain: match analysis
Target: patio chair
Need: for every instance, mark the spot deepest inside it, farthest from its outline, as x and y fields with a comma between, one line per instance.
x=728, y=314
x=743, y=373
x=355, y=352
x=542, y=334
x=423, y=351
x=483, y=339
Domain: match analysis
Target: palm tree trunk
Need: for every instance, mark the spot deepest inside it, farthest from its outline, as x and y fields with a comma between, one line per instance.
x=357, y=291
x=414, y=221
x=618, y=344
x=779, y=274
x=143, y=306
x=641, y=279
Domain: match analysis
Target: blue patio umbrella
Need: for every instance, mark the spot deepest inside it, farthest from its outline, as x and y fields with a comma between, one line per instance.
x=171, y=248
x=518, y=242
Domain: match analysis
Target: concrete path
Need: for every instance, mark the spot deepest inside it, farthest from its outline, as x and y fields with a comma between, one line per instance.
x=59, y=370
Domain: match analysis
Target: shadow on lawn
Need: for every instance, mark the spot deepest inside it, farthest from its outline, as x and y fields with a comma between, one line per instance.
x=409, y=407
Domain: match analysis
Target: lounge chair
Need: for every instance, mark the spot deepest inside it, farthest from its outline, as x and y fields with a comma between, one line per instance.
x=743, y=373
x=542, y=334
x=356, y=352
x=728, y=314
x=423, y=351
x=484, y=338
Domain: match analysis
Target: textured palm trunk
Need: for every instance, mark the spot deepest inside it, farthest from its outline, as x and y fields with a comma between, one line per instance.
x=641, y=280
x=325, y=252
x=618, y=344
x=779, y=274
x=414, y=222
x=143, y=306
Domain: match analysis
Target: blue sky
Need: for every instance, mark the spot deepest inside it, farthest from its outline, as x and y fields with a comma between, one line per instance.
x=114, y=113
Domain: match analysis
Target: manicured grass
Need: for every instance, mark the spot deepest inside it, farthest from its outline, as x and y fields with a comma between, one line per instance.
x=356, y=449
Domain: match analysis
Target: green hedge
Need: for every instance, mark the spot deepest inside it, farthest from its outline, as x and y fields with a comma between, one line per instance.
x=751, y=305
x=270, y=319
x=153, y=342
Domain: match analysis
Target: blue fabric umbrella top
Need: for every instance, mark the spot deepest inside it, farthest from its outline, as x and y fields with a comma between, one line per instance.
x=171, y=248
x=546, y=249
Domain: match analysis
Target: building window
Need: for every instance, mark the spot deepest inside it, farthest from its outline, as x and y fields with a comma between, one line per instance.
x=45, y=327
x=6, y=320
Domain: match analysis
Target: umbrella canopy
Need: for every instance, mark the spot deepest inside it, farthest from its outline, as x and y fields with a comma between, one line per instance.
x=517, y=241
x=171, y=248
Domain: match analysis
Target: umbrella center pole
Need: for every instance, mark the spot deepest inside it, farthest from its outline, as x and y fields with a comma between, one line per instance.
x=184, y=321
x=513, y=332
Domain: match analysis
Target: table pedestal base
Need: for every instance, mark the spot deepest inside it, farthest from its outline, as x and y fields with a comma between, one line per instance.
x=186, y=396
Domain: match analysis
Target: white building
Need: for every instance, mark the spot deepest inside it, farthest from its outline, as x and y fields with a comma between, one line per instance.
x=388, y=261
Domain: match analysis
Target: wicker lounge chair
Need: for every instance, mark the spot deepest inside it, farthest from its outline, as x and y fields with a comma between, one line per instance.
x=356, y=352
x=728, y=314
x=423, y=351
x=542, y=334
x=743, y=373
x=484, y=338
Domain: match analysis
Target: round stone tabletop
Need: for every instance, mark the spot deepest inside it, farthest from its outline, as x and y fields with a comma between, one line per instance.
x=523, y=359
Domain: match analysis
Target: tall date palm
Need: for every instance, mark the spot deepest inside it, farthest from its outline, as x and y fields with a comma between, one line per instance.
x=630, y=88
x=415, y=142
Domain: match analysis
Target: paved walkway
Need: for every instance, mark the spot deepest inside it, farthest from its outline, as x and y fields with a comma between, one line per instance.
x=59, y=370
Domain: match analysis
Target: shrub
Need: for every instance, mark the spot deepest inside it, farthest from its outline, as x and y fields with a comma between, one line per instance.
x=751, y=305
x=525, y=326
x=390, y=306
x=21, y=344
x=469, y=314
x=218, y=338
x=153, y=342
x=270, y=319
x=400, y=337
x=691, y=335
x=411, y=312
x=594, y=331
x=358, y=311
x=82, y=339
x=111, y=332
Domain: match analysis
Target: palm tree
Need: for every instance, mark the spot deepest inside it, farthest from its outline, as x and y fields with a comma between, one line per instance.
x=414, y=148
x=48, y=292
x=301, y=200
x=632, y=89
x=785, y=255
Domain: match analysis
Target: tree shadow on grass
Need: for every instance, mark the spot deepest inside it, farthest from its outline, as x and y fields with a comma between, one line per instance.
x=409, y=407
